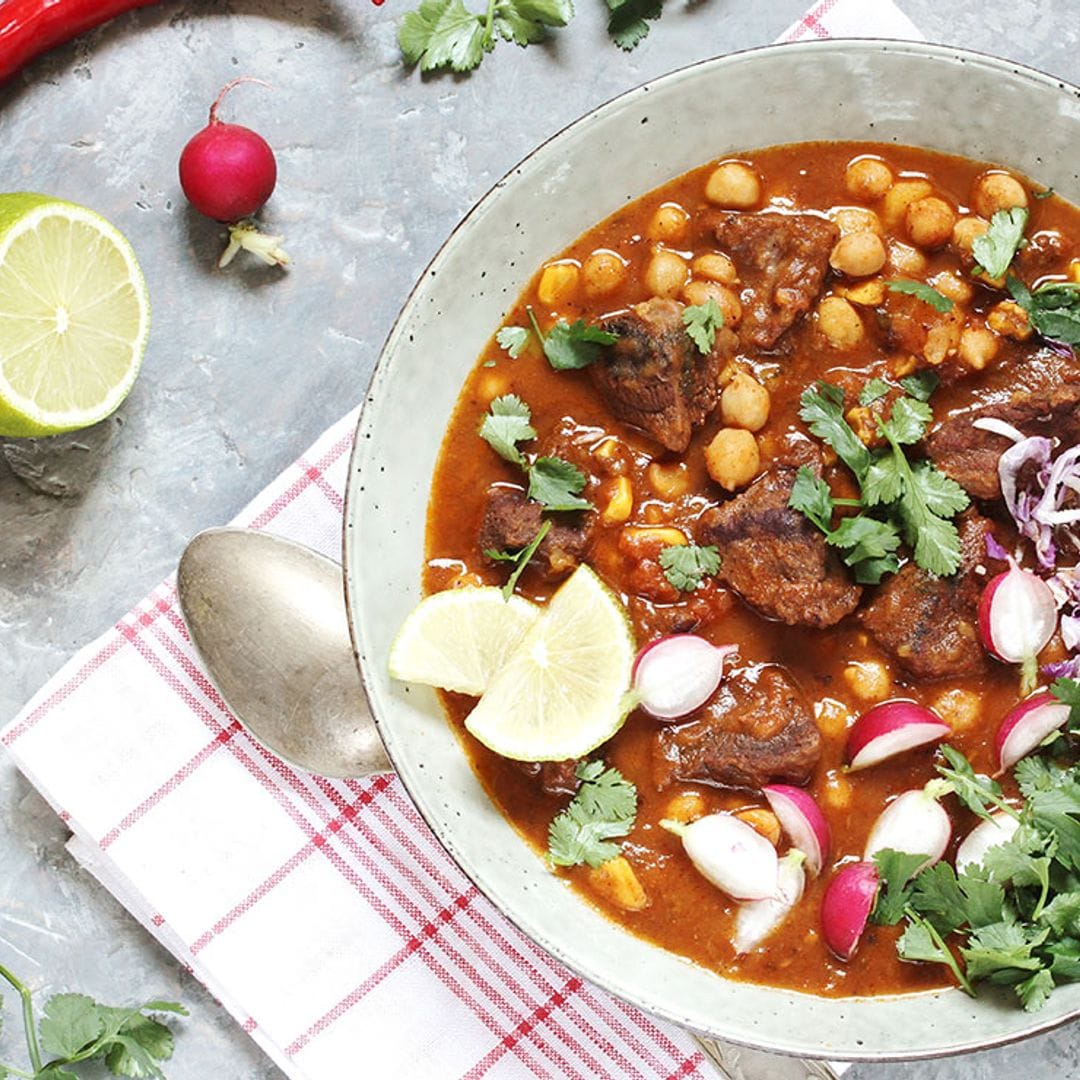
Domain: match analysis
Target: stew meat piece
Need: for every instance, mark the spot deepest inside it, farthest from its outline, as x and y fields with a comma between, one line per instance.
x=782, y=260
x=931, y=624
x=970, y=456
x=555, y=777
x=654, y=376
x=757, y=729
x=511, y=521
x=775, y=559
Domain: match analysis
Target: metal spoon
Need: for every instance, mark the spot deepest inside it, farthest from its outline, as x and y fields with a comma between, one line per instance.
x=267, y=619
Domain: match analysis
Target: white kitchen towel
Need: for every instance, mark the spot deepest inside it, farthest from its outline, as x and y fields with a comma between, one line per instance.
x=322, y=913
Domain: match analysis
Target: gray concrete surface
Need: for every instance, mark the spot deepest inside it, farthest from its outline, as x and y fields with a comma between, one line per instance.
x=246, y=368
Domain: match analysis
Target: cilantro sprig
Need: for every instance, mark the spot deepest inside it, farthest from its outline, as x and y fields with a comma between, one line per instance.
x=75, y=1028
x=898, y=499
x=687, y=565
x=604, y=809
x=995, y=249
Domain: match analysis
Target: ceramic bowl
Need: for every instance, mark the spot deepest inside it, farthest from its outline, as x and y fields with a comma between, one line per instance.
x=887, y=91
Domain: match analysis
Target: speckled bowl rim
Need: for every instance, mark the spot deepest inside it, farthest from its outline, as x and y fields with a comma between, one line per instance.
x=442, y=825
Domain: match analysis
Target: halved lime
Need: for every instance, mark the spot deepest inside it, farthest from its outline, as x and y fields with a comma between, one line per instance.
x=458, y=639
x=563, y=691
x=74, y=316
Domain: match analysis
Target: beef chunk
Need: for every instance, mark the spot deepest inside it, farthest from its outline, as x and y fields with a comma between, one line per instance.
x=782, y=260
x=970, y=456
x=511, y=521
x=555, y=777
x=930, y=624
x=757, y=729
x=775, y=559
x=654, y=376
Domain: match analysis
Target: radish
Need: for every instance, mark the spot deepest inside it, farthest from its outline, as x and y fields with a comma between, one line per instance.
x=1017, y=617
x=730, y=854
x=677, y=674
x=846, y=906
x=756, y=919
x=801, y=818
x=986, y=835
x=914, y=822
x=1026, y=726
x=228, y=172
x=891, y=728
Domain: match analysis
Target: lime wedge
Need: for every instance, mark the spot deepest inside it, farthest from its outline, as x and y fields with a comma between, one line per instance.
x=459, y=638
x=563, y=691
x=74, y=316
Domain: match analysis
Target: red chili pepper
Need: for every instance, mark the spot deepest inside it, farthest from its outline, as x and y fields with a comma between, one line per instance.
x=29, y=28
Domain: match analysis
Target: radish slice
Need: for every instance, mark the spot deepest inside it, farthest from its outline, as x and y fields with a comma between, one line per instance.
x=846, y=906
x=891, y=728
x=757, y=919
x=914, y=822
x=1027, y=725
x=986, y=835
x=802, y=820
x=675, y=675
x=730, y=854
x=1017, y=617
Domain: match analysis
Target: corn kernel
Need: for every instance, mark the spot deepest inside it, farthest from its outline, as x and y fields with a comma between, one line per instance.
x=687, y=806
x=617, y=883
x=667, y=535
x=558, y=283
x=833, y=717
x=762, y=821
x=669, y=481
x=868, y=680
x=621, y=502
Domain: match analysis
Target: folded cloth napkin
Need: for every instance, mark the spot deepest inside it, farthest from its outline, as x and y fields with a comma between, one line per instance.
x=322, y=913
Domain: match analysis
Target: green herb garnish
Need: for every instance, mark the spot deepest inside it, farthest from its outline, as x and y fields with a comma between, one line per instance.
x=557, y=484
x=926, y=293
x=507, y=424
x=686, y=565
x=513, y=339
x=995, y=249
x=603, y=809
x=701, y=322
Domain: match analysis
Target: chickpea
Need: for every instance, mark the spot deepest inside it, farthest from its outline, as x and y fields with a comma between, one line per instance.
x=854, y=219
x=666, y=274
x=604, y=272
x=906, y=260
x=900, y=196
x=715, y=267
x=867, y=178
x=558, y=283
x=953, y=286
x=839, y=322
x=858, y=254
x=960, y=709
x=732, y=458
x=930, y=222
x=744, y=403
x=868, y=679
x=734, y=185
x=668, y=223
x=762, y=821
x=1010, y=320
x=966, y=230
x=996, y=191
x=978, y=346
x=699, y=292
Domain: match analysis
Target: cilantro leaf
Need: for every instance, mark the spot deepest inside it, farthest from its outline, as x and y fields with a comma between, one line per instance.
x=513, y=339
x=995, y=249
x=907, y=421
x=569, y=346
x=823, y=412
x=507, y=424
x=442, y=33
x=685, y=565
x=810, y=495
x=873, y=391
x=896, y=869
x=921, y=385
x=926, y=293
x=520, y=559
x=865, y=538
x=627, y=23
x=71, y=1022
x=603, y=809
x=701, y=322
x=557, y=484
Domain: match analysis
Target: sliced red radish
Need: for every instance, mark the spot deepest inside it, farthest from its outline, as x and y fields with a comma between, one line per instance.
x=914, y=822
x=801, y=818
x=757, y=919
x=1026, y=727
x=986, y=835
x=730, y=854
x=1017, y=617
x=846, y=906
x=677, y=674
x=891, y=728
